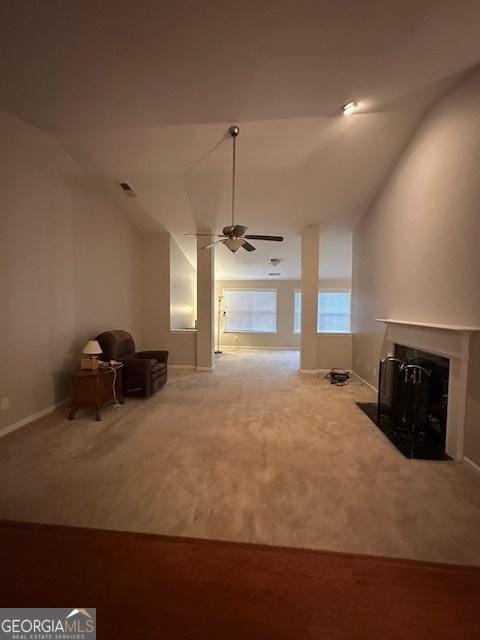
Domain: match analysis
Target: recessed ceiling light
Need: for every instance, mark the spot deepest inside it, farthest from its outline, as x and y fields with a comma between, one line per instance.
x=349, y=108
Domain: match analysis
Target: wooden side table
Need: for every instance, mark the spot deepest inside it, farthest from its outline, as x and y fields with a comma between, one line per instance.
x=93, y=389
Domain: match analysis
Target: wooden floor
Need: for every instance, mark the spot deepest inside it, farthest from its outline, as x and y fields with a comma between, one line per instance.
x=148, y=586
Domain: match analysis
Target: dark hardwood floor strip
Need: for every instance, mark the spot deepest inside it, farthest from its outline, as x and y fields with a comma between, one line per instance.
x=162, y=587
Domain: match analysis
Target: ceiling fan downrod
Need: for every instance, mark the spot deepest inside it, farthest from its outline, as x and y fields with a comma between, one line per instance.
x=234, y=131
x=234, y=236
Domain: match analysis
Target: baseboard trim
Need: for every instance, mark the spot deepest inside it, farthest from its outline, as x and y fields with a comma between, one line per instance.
x=315, y=372
x=189, y=367
x=205, y=368
x=365, y=382
x=245, y=347
x=472, y=464
x=35, y=416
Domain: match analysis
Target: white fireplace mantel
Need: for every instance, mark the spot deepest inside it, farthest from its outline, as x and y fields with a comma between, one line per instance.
x=449, y=341
x=431, y=325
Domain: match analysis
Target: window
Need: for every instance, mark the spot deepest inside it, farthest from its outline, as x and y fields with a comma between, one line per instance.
x=253, y=310
x=333, y=312
x=297, y=314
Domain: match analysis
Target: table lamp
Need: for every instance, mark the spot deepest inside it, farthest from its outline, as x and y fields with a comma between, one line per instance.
x=90, y=353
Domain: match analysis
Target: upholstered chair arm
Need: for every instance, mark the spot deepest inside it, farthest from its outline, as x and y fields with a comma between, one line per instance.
x=161, y=356
x=141, y=365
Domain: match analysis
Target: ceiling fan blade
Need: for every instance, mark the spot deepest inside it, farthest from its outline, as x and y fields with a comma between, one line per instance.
x=204, y=235
x=212, y=244
x=248, y=247
x=271, y=238
x=239, y=230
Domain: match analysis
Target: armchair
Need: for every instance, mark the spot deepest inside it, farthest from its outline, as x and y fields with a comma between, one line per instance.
x=145, y=372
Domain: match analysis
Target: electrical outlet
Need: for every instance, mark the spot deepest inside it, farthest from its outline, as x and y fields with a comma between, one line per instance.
x=358, y=361
x=374, y=371
x=5, y=404
x=367, y=366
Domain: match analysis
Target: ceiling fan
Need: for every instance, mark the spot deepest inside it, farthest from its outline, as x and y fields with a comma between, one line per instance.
x=234, y=236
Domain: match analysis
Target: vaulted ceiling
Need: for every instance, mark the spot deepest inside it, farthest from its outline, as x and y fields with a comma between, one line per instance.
x=145, y=91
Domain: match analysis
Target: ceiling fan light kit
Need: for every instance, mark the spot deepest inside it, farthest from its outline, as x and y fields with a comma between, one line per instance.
x=234, y=236
x=233, y=244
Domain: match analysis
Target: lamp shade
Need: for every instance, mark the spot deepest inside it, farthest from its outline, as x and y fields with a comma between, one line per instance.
x=92, y=348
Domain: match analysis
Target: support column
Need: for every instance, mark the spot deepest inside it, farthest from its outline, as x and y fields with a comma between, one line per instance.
x=308, y=338
x=205, y=303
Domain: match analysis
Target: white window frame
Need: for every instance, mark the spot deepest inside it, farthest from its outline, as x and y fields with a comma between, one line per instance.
x=261, y=290
x=325, y=290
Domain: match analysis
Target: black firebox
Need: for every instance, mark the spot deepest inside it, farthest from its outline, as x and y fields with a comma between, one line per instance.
x=412, y=402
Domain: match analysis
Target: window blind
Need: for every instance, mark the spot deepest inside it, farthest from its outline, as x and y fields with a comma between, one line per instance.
x=253, y=310
x=333, y=312
x=297, y=317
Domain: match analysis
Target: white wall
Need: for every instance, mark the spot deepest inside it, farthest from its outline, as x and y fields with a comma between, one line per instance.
x=416, y=251
x=156, y=315
x=334, y=350
x=183, y=283
x=156, y=290
x=69, y=268
x=335, y=255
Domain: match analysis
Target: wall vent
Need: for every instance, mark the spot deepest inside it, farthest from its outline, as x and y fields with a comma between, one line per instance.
x=275, y=274
x=127, y=190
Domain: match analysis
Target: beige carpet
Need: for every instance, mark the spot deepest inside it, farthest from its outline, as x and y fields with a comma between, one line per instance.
x=251, y=452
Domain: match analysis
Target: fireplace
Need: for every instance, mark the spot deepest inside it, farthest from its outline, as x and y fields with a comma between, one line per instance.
x=424, y=386
x=442, y=344
x=413, y=402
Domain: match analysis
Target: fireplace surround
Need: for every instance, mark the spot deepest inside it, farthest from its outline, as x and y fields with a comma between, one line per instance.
x=448, y=341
